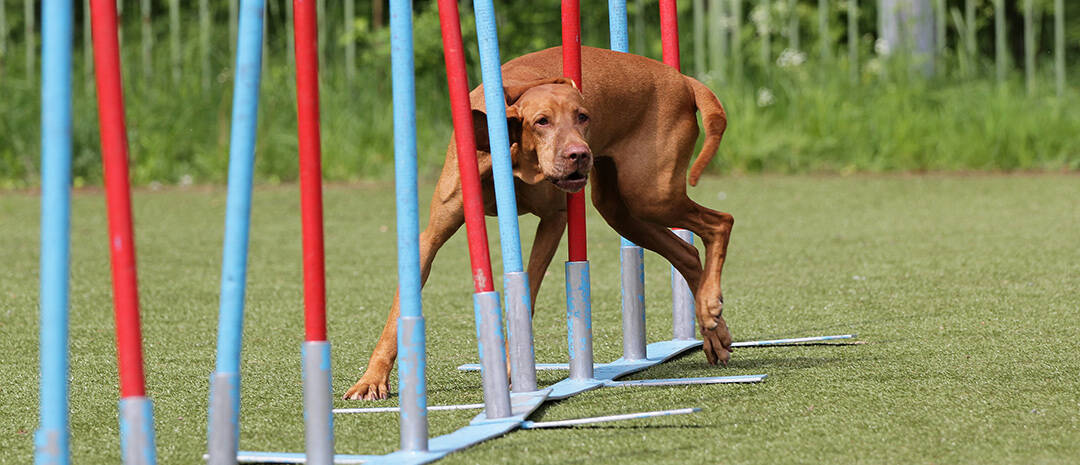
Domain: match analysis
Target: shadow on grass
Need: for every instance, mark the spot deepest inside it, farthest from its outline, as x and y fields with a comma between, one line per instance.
x=679, y=366
x=681, y=363
x=796, y=363
x=857, y=327
x=634, y=455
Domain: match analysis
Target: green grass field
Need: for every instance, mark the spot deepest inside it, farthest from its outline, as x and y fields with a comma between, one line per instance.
x=964, y=289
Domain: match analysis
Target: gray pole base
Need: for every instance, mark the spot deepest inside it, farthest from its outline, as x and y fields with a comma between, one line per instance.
x=223, y=436
x=519, y=330
x=632, y=265
x=579, y=320
x=682, y=300
x=137, y=431
x=412, y=385
x=318, y=419
x=492, y=349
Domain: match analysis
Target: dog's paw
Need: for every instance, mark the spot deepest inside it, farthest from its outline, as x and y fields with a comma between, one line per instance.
x=714, y=333
x=369, y=388
x=716, y=343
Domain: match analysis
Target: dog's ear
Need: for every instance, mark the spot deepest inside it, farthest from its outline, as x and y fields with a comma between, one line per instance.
x=514, y=90
x=526, y=166
x=480, y=128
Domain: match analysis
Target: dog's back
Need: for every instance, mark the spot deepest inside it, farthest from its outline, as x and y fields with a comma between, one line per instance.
x=628, y=94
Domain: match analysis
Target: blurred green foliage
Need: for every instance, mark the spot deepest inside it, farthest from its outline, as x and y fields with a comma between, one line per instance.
x=789, y=110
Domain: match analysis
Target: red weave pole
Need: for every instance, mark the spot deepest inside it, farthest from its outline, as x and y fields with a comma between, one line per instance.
x=311, y=208
x=458, y=82
x=577, y=242
x=114, y=158
x=669, y=32
x=669, y=35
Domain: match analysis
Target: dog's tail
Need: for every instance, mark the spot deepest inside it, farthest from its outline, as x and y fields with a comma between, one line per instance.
x=715, y=121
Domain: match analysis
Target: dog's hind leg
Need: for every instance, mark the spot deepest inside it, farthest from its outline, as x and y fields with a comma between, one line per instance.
x=611, y=205
x=714, y=228
x=661, y=205
x=446, y=217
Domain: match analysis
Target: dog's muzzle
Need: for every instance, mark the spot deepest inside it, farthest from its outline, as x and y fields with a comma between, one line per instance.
x=573, y=182
x=576, y=163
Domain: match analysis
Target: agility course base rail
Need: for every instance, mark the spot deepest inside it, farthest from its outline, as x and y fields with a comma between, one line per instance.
x=692, y=344
x=478, y=430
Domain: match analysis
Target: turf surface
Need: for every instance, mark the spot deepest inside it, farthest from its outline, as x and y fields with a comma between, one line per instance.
x=963, y=287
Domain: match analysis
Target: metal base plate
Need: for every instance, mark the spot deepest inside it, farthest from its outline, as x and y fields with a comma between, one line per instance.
x=523, y=404
x=478, y=430
x=657, y=353
x=761, y=343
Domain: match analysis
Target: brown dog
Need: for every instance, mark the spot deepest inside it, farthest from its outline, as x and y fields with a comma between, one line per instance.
x=633, y=131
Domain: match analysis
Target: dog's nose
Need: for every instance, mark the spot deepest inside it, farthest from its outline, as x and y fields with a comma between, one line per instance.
x=577, y=152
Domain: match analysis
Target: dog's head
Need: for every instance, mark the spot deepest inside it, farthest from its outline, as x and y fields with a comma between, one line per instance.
x=548, y=126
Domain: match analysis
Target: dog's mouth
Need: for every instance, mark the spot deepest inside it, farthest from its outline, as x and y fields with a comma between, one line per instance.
x=571, y=183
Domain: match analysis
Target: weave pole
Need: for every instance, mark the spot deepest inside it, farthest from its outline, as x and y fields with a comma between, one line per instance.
x=631, y=256
x=515, y=279
x=51, y=440
x=571, y=43
x=669, y=32
x=411, y=364
x=223, y=429
x=682, y=299
x=578, y=299
x=683, y=317
x=315, y=350
x=485, y=299
x=136, y=410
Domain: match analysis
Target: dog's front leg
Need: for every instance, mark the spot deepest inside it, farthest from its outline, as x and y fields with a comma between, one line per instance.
x=446, y=217
x=548, y=235
x=374, y=384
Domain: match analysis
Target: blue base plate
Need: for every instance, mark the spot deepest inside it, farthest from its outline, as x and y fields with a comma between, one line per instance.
x=480, y=429
x=762, y=343
x=523, y=404
x=655, y=353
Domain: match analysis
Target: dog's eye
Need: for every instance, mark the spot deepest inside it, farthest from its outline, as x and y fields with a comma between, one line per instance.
x=542, y=122
x=582, y=117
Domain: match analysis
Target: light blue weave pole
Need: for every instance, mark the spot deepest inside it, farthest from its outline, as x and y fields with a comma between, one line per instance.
x=501, y=165
x=620, y=41
x=411, y=385
x=682, y=299
x=51, y=438
x=515, y=279
x=223, y=431
x=631, y=256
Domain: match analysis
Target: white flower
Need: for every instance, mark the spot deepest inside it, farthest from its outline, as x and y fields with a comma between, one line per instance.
x=765, y=97
x=881, y=47
x=760, y=17
x=790, y=58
